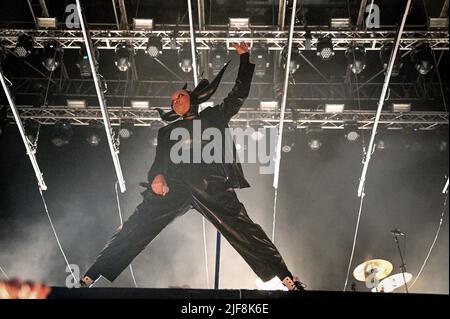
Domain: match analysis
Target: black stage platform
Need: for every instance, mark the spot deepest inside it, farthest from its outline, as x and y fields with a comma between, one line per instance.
x=234, y=294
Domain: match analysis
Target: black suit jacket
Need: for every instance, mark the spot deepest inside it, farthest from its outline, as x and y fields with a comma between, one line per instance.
x=219, y=115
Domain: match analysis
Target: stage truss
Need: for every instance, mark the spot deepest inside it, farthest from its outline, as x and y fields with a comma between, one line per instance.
x=174, y=37
x=246, y=117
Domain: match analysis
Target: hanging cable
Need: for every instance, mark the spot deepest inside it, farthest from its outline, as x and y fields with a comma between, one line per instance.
x=355, y=236
x=56, y=236
x=121, y=224
x=433, y=243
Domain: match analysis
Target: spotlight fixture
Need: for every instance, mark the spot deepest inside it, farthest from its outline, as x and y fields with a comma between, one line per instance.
x=93, y=137
x=400, y=107
x=53, y=53
x=351, y=132
x=422, y=59
x=126, y=130
x=142, y=24
x=380, y=145
x=154, y=46
x=356, y=58
x=217, y=58
x=288, y=142
x=24, y=46
x=31, y=130
x=294, y=65
x=62, y=133
x=123, y=57
x=325, y=48
x=140, y=104
x=83, y=62
x=259, y=131
x=185, y=59
x=340, y=23
x=332, y=108
x=79, y=104
x=260, y=56
x=47, y=23
x=313, y=134
x=385, y=56
x=239, y=23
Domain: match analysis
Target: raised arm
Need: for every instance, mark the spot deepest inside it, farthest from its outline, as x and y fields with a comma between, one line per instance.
x=235, y=99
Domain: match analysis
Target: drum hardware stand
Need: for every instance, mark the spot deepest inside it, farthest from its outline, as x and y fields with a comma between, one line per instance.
x=396, y=233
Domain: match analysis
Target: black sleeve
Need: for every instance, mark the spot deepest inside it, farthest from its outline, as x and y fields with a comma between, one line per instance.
x=159, y=164
x=235, y=99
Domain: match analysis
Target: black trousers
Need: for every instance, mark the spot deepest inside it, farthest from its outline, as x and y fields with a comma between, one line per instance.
x=221, y=207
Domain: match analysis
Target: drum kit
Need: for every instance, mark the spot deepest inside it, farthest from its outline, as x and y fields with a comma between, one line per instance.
x=376, y=274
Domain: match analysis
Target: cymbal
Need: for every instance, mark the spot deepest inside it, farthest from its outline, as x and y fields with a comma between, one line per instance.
x=380, y=267
x=393, y=282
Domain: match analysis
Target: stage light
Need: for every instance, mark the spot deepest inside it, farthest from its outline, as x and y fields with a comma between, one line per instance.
x=185, y=59
x=385, y=56
x=154, y=141
x=83, y=62
x=259, y=132
x=268, y=105
x=380, y=145
x=325, y=48
x=333, y=108
x=126, y=130
x=78, y=104
x=62, y=133
x=351, y=132
x=438, y=23
x=239, y=23
x=422, y=58
x=295, y=59
x=400, y=107
x=138, y=104
x=154, y=46
x=93, y=137
x=356, y=58
x=142, y=24
x=53, y=53
x=217, y=57
x=47, y=23
x=340, y=23
x=288, y=142
x=24, y=46
x=313, y=133
x=260, y=56
x=123, y=57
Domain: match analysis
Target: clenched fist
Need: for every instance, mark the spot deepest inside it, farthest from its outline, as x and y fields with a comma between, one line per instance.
x=159, y=185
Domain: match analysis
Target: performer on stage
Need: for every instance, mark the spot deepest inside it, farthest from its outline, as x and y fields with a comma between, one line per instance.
x=174, y=188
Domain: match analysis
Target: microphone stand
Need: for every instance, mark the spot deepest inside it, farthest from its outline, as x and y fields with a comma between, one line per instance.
x=403, y=265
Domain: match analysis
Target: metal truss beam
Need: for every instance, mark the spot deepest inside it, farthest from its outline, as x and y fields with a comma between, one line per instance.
x=205, y=39
x=301, y=118
x=312, y=92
